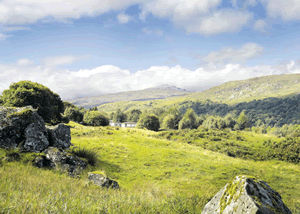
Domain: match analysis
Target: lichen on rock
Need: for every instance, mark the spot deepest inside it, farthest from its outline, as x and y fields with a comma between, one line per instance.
x=102, y=180
x=246, y=195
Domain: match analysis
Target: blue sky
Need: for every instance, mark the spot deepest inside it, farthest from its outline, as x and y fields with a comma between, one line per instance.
x=84, y=48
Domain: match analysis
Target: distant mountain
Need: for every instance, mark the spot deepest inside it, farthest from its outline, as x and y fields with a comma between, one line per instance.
x=153, y=93
x=230, y=92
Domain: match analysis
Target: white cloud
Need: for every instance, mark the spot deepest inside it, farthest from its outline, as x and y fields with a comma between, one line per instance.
x=286, y=9
x=123, y=18
x=220, y=22
x=19, y=12
x=61, y=60
x=4, y=36
x=230, y=55
x=260, y=25
x=110, y=79
x=17, y=28
x=158, y=32
x=24, y=62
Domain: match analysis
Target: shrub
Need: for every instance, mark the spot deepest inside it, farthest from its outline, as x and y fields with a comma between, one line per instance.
x=150, y=122
x=185, y=123
x=25, y=93
x=95, y=118
x=90, y=155
x=74, y=114
x=169, y=122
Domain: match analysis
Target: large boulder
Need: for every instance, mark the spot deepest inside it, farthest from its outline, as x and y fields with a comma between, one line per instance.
x=246, y=195
x=22, y=126
x=60, y=159
x=59, y=136
x=102, y=181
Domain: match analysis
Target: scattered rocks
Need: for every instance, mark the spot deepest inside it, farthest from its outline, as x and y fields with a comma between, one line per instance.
x=246, y=195
x=61, y=159
x=25, y=128
x=103, y=181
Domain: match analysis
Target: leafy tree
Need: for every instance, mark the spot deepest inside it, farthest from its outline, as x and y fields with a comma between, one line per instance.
x=1, y=101
x=93, y=109
x=24, y=93
x=243, y=121
x=150, y=122
x=119, y=117
x=177, y=115
x=68, y=105
x=229, y=121
x=188, y=120
x=169, y=122
x=134, y=115
x=74, y=114
x=111, y=116
x=95, y=118
x=185, y=123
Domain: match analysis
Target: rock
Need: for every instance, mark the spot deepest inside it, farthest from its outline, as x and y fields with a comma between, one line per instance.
x=246, y=195
x=42, y=161
x=63, y=160
x=59, y=136
x=35, y=135
x=103, y=181
x=22, y=125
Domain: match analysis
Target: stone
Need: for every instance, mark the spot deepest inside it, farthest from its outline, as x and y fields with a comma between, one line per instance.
x=103, y=181
x=59, y=136
x=63, y=160
x=248, y=196
x=35, y=135
x=22, y=126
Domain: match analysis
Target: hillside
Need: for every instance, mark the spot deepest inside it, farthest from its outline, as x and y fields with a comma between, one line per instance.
x=155, y=175
x=159, y=92
x=233, y=92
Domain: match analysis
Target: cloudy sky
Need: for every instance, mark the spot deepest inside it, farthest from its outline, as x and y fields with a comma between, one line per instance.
x=80, y=48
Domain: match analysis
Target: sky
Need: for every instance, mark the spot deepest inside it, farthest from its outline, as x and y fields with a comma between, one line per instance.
x=85, y=48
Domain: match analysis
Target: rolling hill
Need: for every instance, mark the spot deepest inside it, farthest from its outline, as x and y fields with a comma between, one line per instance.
x=153, y=93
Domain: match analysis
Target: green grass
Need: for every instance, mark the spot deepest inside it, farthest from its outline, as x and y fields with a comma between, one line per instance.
x=155, y=176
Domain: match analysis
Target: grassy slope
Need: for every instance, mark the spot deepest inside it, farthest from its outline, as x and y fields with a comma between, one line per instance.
x=230, y=92
x=156, y=176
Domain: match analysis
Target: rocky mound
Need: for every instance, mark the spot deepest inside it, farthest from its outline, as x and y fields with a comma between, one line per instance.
x=23, y=127
x=246, y=195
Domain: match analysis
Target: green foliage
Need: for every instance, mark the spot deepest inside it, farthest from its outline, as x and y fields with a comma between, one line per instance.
x=119, y=117
x=169, y=122
x=149, y=121
x=26, y=113
x=93, y=109
x=189, y=120
x=95, y=118
x=74, y=114
x=68, y=105
x=243, y=121
x=25, y=93
x=134, y=115
x=1, y=100
x=90, y=155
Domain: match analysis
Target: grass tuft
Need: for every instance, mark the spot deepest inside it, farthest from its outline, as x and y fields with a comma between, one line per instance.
x=90, y=155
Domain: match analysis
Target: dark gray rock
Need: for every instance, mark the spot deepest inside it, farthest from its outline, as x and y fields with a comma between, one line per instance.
x=22, y=126
x=103, y=181
x=35, y=135
x=59, y=136
x=246, y=195
x=63, y=160
x=43, y=162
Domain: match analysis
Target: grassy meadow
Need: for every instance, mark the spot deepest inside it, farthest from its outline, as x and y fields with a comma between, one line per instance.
x=156, y=173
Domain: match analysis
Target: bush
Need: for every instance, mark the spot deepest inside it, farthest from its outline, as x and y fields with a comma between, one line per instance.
x=169, y=122
x=95, y=118
x=90, y=155
x=74, y=114
x=185, y=123
x=25, y=93
x=150, y=122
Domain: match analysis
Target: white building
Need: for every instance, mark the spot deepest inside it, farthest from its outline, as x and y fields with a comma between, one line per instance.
x=125, y=124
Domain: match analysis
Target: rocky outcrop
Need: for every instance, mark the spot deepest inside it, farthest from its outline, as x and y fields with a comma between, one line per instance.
x=246, y=195
x=59, y=136
x=102, y=181
x=23, y=127
x=60, y=159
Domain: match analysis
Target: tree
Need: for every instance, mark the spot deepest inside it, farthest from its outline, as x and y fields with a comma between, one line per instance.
x=229, y=121
x=243, y=121
x=24, y=93
x=74, y=114
x=134, y=115
x=68, y=105
x=1, y=101
x=177, y=115
x=188, y=120
x=119, y=117
x=150, y=122
x=95, y=118
x=93, y=109
x=169, y=122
